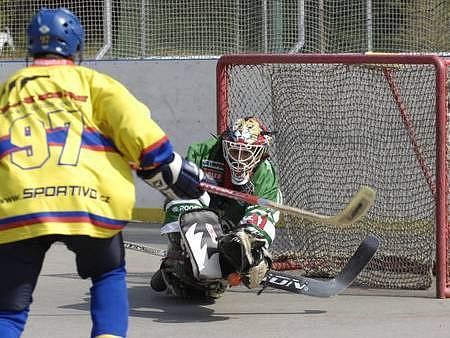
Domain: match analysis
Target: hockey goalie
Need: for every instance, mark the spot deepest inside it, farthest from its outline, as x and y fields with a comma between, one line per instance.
x=214, y=238
x=220, y=240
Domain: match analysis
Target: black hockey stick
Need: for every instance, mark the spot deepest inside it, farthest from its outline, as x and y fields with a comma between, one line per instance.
x=325, y=288
x=299, y=284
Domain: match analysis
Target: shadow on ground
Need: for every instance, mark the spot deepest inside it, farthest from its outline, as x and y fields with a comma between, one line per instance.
x=145, y=303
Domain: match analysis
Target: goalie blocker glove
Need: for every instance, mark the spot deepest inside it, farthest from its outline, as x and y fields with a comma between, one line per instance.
x=177, y=179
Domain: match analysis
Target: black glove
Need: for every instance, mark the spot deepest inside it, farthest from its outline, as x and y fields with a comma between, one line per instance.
x=246, y=254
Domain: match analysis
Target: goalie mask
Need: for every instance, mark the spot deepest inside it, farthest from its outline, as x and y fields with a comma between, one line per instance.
x=245, y=144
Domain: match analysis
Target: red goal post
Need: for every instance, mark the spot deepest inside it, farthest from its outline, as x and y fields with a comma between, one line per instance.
x=346, y=120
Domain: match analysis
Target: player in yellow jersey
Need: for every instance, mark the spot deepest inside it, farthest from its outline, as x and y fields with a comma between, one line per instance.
x=67, y=135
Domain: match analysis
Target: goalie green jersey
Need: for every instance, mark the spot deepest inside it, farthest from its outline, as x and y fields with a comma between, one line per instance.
x=67, y=135
x=209, y=157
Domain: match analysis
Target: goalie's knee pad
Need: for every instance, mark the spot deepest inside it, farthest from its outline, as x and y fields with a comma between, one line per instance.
x=178, y=179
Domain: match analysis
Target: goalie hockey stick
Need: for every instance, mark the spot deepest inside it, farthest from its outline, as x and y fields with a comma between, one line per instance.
x=357, y=207
x=325, y=288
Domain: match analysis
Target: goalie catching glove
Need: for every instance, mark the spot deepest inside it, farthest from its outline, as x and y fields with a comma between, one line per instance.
x=177, y=179
x=246, y=254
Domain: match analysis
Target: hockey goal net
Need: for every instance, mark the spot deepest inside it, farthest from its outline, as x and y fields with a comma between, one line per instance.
x=343, y=121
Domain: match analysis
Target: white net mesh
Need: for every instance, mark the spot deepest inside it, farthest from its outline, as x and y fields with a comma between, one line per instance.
x=339, y=126
x=192, y=28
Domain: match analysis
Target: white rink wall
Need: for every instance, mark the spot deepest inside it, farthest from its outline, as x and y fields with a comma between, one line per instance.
x=180, y=93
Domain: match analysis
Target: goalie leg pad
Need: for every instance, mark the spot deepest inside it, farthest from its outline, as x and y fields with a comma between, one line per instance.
x=200, y=229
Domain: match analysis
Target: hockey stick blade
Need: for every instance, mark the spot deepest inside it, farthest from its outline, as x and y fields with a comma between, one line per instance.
x=326, y=288
x=144, y=248
x=354, y=211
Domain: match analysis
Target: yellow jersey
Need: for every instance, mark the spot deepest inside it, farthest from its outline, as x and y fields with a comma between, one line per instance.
x=67, y=136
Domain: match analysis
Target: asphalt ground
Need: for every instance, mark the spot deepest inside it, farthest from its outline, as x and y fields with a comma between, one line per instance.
x=61, y=307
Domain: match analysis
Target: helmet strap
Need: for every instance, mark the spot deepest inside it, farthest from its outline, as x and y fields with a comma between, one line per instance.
x=80, y=57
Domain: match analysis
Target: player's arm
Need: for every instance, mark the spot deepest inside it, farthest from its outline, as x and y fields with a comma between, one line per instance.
x=174, y=208
x=259, y=220
x=176, y=179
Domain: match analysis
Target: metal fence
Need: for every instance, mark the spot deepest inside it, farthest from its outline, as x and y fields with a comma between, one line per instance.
x=202, y=28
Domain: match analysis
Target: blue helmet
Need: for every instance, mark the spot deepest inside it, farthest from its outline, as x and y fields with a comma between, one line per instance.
x=56, y=31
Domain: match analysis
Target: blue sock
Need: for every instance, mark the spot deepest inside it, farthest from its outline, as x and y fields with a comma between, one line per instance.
x=12, y=323
x=109, y=303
